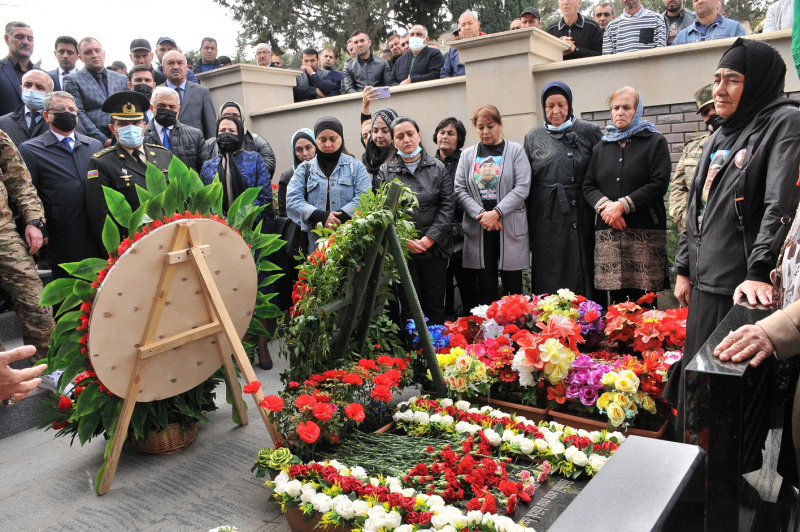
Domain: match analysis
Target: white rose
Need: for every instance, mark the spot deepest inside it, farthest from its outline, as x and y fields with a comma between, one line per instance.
x=405, y=416
x=409, y=492
x=557, y=447
x=373, y=524
x=439, y=521
x=294, y=488
x=358, y=472
x=462, y=426
x=307, y=495
x=472, y=429
x=508, y=435
x=421, y=417
x=436, y=418
x=474, y=411
x=492, y=437
x=339, y=498
x=526, y=446
x=444, y=403
x=556, y=426
x=360, y=507
x=345, y=509
x=321, y=503
x=597, y=461
x=404, y=528
x=541, y=445
x=486, y=408
x=517, y=439
x=583, y=433
x=377, y=511
x=447, y=420
x=595, y=436
x=580, y=459
x=501, y=523
x=618, y=435
x=392, y=520
x=395, y=488
x=463, y=405
x=394, y=481
x=435, y=500
x=569, y=453
x=448, y=528
x=282, y=478
x=474, y=517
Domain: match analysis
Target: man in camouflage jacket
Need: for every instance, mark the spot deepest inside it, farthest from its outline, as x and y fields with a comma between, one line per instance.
x=692, y=150
x=17, y=270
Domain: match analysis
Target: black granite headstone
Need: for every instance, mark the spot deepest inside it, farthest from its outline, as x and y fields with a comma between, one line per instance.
x=727, y=414
x=636, y=490
x=549, y=501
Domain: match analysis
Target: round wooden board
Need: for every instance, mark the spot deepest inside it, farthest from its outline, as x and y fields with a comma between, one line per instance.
x=122, y=307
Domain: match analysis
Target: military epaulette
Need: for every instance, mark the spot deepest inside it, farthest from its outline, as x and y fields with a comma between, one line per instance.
x=155, y=146
x=102, y=152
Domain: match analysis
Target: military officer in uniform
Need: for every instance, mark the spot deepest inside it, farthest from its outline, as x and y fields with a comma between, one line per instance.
x=123, y=165
x=692, y=150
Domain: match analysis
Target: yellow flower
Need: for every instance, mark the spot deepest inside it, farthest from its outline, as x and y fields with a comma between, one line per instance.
x=480, y=370
x=616, y=414
x=463, y=363
x=648, y=404
x=623, y=400
x=609, y=378
x=460, y=385
x=552, y=351
x=630, y=375
x=457, y=351
x=623, y=384
x=604, y=400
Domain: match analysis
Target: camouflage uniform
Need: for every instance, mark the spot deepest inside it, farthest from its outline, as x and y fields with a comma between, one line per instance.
x=17, y=270
x=684, y=173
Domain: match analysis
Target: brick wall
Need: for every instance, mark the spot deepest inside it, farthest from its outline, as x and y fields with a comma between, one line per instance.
x=677, y=122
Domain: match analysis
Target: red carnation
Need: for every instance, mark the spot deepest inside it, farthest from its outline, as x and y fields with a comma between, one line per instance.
x=304, y=401
x=353, y=379
x=382, y=393
x=323, y=411
x=512, y=505
x=272, y=403
x=489, y=504
x=294, y=384
x=308, y=431
x=65, y=403
x=253, y=387
x=355, y=412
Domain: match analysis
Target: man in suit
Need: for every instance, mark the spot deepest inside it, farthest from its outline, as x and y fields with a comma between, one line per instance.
x=185, y=142
x=91, y=86
x=122, y=166
x=57, y=161
x=26, y=121
x=19, y=38
x=164, y=45
x=313, y=82
x=142, y=54
x=420, y=63
x=66, y=53
x=195, y=100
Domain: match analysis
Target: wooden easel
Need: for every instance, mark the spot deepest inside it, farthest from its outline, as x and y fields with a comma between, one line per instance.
x=186, y=246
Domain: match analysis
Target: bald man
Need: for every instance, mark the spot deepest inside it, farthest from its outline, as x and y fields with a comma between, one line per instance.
x=195, y=100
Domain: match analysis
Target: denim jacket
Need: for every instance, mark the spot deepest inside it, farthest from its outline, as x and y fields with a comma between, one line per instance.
x=308, y=191
x=722, y=28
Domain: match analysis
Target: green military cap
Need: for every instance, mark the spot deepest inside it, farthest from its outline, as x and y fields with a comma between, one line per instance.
x=704, y=97
x=126, y=106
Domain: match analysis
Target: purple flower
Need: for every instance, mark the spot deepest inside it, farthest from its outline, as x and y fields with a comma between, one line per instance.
x=573, y=391
x=581, y=376
x=588, y=395
x=596, y=376
x=582, y=362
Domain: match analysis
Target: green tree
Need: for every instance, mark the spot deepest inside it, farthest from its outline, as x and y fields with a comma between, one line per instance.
x=301, y=23
x=241, y=49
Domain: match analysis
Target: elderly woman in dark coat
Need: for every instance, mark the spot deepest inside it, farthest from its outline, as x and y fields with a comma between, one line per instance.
x=625, y=184
x=559, y=153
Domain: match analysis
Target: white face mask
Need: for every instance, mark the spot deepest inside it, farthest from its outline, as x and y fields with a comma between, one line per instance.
x=416, y=43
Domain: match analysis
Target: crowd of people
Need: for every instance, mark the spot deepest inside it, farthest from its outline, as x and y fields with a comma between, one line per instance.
x=582, y=208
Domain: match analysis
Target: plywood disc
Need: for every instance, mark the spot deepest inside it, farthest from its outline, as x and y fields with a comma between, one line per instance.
x=122, y=307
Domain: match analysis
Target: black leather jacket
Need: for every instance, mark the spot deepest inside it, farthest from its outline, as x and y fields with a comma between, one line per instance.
x=358, y=73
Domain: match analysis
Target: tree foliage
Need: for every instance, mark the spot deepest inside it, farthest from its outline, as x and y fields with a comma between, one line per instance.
x=301, y=23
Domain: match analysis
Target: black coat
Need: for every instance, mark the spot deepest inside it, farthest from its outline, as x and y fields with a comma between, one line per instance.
x=640, y=171
x=10, y=93
x=715, y=259
x=557, y=211
x=359, y=73
x=427, y=66
x=60, y=180
x=186, y=143
x=15, y=126
x=433, y=188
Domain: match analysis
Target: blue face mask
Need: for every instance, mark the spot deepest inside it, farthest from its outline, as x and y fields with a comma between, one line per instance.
x=34, y=100
x=410, y=155
x=130, y=136
x=562, y=127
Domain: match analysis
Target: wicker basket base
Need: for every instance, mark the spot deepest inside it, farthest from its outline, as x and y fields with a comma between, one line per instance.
x=166, y=441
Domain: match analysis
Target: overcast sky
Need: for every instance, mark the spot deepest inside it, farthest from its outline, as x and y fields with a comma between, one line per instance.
x=117, y=22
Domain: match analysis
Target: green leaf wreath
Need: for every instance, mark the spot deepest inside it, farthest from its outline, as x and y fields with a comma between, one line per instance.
x=89, y=409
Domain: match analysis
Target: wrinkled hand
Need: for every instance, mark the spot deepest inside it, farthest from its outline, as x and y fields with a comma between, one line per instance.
x=33, y=236
x=748, y=341
x=18, y=382
x=490, y=220
x=756, y=292
x=332, y=222
x=571, y=44
x=683, y=289
x=612, y=215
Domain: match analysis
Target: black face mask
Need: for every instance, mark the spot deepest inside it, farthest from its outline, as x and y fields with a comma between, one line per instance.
x=166, y=117
x=227, y=142
x=714, y=122
x=141, y=88
x=64, y=121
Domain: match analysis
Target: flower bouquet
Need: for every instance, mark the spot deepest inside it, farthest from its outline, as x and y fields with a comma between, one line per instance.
x=328, y=406
x=643, y=330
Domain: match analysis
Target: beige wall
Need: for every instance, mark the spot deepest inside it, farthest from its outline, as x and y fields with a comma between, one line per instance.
x=507, y=69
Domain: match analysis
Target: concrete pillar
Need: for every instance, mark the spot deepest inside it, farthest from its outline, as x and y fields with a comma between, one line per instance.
x=499, y=72
x=251, y=86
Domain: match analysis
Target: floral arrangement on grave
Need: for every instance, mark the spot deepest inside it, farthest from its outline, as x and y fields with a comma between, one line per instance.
x=84, y=407
x=327, y=407
x=644, y=330
x=324, y=279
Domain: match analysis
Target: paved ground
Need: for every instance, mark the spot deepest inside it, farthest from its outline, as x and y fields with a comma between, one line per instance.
x=47, y=484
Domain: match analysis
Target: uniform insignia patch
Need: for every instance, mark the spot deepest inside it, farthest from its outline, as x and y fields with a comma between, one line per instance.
x=91, y=174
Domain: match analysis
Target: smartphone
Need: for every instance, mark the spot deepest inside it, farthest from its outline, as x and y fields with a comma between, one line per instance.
x=383, y=92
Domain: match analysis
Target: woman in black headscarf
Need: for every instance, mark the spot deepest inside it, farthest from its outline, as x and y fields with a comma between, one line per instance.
x=238, y=170
x=252, y=141
x=378, y=145
x=742, y=200
x=559, y=152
